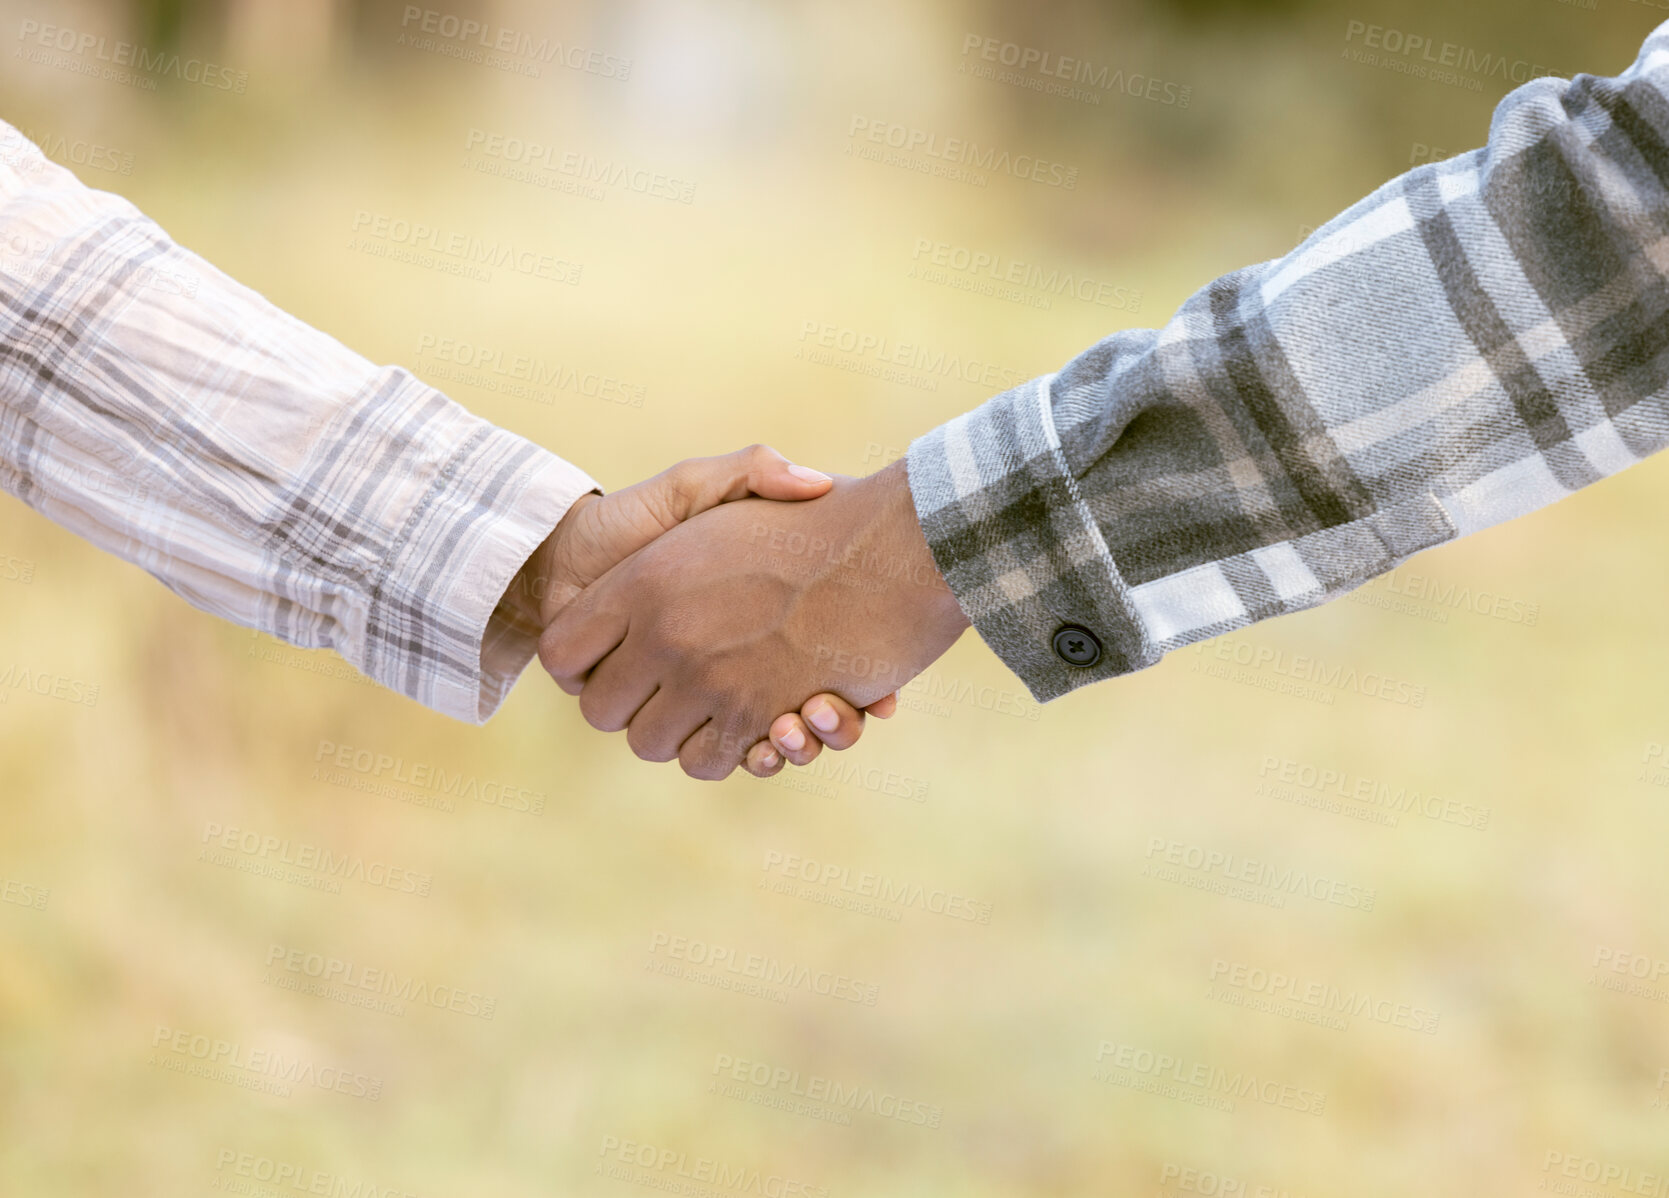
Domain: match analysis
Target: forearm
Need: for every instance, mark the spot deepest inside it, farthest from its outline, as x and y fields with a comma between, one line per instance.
x=254, y=465
x=1475, y=340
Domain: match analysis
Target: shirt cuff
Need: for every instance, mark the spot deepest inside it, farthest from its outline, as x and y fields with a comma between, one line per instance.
x=480, y=519
x=1020, y=549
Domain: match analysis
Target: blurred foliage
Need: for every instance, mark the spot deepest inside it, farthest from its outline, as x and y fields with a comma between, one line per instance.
x=1049, y=820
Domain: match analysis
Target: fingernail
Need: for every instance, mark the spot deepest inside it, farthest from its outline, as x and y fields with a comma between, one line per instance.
x=807, y=474
x=823, y=716
x=768, y=759
x=793, y=740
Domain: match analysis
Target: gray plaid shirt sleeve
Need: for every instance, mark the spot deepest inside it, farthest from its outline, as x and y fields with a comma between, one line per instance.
x=1478, y=338
x=254, y=465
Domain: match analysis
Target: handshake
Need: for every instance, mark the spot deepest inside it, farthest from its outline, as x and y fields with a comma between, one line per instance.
x=696, y=608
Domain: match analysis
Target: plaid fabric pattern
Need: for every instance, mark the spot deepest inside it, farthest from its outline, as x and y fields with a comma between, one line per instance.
x=257, y=467
x=1478, y=338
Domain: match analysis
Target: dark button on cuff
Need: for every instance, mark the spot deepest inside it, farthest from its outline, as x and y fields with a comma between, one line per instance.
x=1077, y=647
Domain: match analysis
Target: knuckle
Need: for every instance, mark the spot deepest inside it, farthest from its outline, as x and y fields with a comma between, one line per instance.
x=698, y=745
x=682, y=492
x=846, y=733
x=782, y=726
x=670, y=502
x=649, y=744
x=678, y=633
x=759, y=458
x=805, y=755
x=708, y=680
x=596, y=713
x=745, y=728
x=552, y=657
x=713, y=752
x=706, y=770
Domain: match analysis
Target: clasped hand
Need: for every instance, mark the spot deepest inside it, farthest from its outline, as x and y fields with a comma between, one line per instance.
x=750, y=585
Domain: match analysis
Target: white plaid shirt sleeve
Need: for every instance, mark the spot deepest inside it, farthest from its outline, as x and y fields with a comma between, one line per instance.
x=255, y=466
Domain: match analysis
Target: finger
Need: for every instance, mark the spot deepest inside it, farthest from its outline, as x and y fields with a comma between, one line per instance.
x=710, y=753
x=661, y=726
x=884, y=708
x=616, y=691
x=692, y=487
x=584, y=632
x=763, y=760
x=772, y=476
x=833, y=720
x=794, y=740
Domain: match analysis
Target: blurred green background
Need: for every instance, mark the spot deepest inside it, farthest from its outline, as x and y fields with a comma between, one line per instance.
x=1051, y=998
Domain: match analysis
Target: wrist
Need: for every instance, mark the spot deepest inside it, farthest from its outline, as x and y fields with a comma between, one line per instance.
x=927, y=587
x=546, y=581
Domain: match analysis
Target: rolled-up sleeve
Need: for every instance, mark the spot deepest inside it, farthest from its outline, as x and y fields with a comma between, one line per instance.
x=1478, y=338
x=254, y=465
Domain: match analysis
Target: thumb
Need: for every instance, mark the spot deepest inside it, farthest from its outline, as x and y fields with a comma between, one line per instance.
x=616, y=526
x=693, y=486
